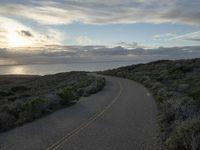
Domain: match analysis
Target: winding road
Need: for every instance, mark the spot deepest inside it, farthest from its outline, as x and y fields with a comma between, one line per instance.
x=120, y=117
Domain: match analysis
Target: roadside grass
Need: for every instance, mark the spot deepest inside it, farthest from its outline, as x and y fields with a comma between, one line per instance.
x=186, y=136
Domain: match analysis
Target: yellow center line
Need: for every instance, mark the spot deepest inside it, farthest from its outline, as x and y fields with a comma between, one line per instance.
x=85, y=124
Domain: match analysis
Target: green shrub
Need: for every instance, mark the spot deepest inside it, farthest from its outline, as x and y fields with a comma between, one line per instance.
x=185, y=137
x=31, y=109
x=195, y=93
x=159, y=99
x=176, y=73
x=68, y=95
x=96, y=86
x=83, y=83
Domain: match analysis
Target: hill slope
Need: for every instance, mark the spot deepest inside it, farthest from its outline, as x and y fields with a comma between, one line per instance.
x=176, y=89
x=25, y=98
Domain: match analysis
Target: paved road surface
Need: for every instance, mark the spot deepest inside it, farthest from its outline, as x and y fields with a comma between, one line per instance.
x=121, y=117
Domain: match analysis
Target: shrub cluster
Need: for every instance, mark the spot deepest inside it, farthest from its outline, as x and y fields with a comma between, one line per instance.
x=27, y=98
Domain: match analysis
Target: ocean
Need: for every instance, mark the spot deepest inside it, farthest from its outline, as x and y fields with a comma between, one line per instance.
x=43, y=69
x=54, y=65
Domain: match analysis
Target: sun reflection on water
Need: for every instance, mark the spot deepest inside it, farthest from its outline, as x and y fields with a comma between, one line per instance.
x=17, y=70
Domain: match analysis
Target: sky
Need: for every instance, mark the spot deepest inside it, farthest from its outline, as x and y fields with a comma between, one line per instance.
x=99, y=22
x=52, y=27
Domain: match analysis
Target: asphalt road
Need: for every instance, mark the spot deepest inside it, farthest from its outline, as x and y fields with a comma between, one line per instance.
x=121, y=117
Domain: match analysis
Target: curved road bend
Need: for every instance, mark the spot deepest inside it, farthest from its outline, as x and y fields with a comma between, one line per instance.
x=121, y=117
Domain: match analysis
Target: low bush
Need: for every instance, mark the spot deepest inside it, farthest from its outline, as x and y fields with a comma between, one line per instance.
x=68, y=95
x=19, y=89
x=186, y=136
x=71, y=93
x=3, y=93
x=31, y=109
x=195, y=93
x=94, y=87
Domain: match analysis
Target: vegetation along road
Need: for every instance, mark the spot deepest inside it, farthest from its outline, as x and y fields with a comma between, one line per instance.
x=120, y=117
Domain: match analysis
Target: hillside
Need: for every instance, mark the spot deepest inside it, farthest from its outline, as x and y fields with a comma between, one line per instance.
x=24, y=98
x=176, y=89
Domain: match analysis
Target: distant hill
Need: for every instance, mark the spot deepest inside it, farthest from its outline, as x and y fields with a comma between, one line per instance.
x=176, y=89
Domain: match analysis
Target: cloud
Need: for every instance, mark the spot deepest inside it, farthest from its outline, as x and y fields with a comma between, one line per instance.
x=42, y=14
x=84, y=40
x=127, y=45
x=26, y=33
x=106, y=12
x=164, y=36
x=194, y=36
x=47, y=15
x=69, y=54
x=14, y=33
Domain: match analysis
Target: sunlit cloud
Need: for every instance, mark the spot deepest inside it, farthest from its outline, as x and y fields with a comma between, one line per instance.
x=15, y=34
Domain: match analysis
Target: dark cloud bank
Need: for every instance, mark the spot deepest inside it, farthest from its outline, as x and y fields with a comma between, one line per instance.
x=71, y=54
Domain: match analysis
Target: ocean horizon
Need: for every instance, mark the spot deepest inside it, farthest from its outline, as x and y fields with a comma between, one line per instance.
x=83, y=65
x=43, y=69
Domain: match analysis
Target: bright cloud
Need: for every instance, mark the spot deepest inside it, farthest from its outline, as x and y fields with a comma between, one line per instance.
x=15, y=34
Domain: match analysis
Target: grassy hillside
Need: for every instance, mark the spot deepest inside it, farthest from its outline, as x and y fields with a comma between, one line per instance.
x=25, y=98
x=176, y=89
